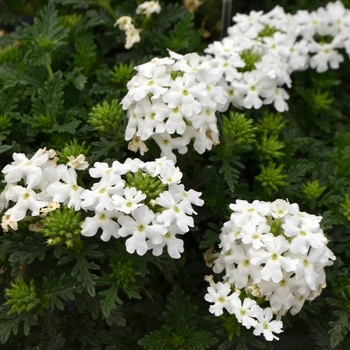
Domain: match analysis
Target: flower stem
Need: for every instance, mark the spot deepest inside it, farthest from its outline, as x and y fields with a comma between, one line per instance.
x=49, y=70
x=106, y=5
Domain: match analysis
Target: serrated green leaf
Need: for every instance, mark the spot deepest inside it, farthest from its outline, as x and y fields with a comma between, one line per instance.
x=109, y=303
x=340, y=328
x=9, y=324
x=49, y=101
x=69, y=127
x=170, y=14
x=210, y=239
x=59, y=290
x=28, y=251
x=231, y=174
x=116, y=318
x=5, y=148
x=83, y=275
x=45, y=36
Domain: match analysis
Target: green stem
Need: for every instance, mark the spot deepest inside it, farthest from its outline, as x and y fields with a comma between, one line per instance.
x=49, y=70
x=106, y=5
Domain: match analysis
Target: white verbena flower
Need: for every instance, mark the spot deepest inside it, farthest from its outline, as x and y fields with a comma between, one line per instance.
x=124, y=23
x=132, y=37
x=141, y=227
x=148, y=7
x=25, y=198
x=78, y=163
x=28, y=169
x=102, y=219
x=221, y=298
x=266, y=326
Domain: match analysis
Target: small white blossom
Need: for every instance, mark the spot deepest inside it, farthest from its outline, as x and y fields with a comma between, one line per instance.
x=148, y=7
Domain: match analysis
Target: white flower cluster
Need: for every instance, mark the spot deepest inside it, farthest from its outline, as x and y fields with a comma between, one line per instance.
x=125, y=22
x=248, y=312
x=178, y=96
x=283, y=43
x=271, y=251
x=112, y=204
x=173, y=100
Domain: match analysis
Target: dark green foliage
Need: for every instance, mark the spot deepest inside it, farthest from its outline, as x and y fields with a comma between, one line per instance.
x=181, y=330
x=63, y=73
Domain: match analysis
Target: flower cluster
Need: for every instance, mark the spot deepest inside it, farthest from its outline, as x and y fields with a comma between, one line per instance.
x=246, y=311
x=173, y=100
x=275, y=44
x=143, y=201
x=176, y=95
x=125, y=22
x=270, y=251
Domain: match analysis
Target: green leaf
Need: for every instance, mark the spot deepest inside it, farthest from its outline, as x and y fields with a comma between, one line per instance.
x=45, y=36
x=69, y=127
x=83, y=275
x=59, y=290
x=116, y=318
x=170, y=14
x=181, y=330
x=8, y=324
x=183, y=38
x=211, y=237
x=28, y=251
x=340, y=328
x=5, y=148
x=109, y=303
x=86, y=55
x=231, y=174
x=49, y=102
x=77, y=78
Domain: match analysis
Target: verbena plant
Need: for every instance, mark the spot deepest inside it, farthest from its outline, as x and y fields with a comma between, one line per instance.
x=229, y=226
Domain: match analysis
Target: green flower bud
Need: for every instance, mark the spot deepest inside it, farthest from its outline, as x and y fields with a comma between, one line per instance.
x=106, y=118
x=70, y=21
x=238, y=130
x=232, y=326
x=73, y=148
x=152, y=187
x=271, y=178
x=321, y=100
x=269, y=30
x=250, y=58
x=122, y=73
x=269, y=147
x=63, y=226
x=5, y=124
x=174, y=74
x=312, y=189
x=24, y=298
x=345, y=207
x=9, y=54
x=271, y=123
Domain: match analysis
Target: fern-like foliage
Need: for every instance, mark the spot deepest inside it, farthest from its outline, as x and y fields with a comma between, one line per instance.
x=181, y=330
x=45, y=36
x=59, y=290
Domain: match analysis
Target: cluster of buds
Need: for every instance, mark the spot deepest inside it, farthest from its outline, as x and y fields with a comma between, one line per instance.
x=173, y=100
x=272, y=252
x=143, y=201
